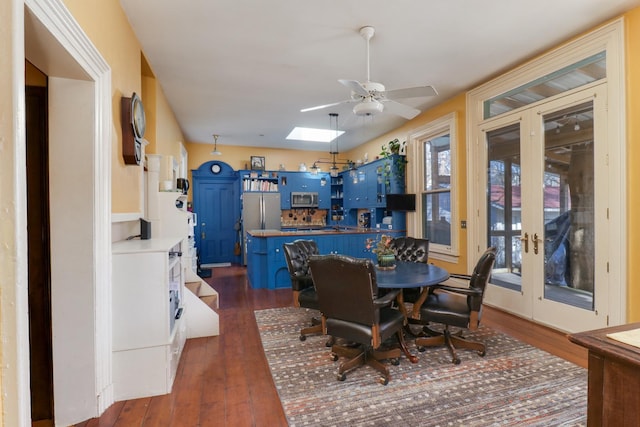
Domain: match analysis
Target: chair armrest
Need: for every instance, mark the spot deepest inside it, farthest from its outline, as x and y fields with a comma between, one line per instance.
x=462, y=291
x=460, y=276
x=387, y=298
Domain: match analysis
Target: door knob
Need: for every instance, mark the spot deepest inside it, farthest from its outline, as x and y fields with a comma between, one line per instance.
x=525, y=240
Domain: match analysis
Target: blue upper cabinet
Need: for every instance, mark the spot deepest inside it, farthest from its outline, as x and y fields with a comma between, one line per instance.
x=305, y=182
x=367, y=186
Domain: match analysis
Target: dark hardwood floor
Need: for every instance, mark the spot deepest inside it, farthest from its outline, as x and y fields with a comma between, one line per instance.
x=225, y=380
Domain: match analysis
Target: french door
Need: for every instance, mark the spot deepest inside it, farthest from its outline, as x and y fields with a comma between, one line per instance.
x=546, y=207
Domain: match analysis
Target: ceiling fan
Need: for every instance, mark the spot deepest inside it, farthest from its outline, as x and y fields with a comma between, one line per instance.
x=372, y=97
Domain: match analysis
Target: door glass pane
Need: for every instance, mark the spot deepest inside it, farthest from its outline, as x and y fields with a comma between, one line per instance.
x=569, y=206
x=503, y=204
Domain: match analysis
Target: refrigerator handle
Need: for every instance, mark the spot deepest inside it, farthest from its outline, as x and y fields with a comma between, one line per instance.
x=262, y=214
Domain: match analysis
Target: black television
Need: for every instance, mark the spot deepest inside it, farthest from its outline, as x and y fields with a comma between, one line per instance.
x=401, y=202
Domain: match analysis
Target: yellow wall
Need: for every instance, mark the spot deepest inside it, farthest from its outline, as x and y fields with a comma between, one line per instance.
x=106, y=25
x=239, y=157
x=632, y=52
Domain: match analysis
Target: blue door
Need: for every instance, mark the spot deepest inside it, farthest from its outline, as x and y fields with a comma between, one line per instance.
x=216, y=202
x=216, y=222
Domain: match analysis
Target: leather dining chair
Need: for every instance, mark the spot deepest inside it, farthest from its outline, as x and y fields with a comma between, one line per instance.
x=457, y=307
x=351, y=309
x=297, y=255
x=411, y=249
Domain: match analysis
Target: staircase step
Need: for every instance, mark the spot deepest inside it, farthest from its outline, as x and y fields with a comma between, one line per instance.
x=194, y=287
x=211, y=301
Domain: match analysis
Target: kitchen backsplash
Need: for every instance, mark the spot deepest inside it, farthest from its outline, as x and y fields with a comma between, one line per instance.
x=303, y=217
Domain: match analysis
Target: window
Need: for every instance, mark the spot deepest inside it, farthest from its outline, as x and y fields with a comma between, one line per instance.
x=436, y=195
x=434, y=183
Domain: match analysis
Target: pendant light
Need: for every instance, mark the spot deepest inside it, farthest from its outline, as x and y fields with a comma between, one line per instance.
x=333, y=151
x=215, y=151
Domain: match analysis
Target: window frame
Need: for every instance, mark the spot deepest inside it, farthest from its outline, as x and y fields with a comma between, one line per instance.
x=444, y=125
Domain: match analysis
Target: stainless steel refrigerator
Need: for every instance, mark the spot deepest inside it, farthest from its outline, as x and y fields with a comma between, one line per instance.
x=260, y=211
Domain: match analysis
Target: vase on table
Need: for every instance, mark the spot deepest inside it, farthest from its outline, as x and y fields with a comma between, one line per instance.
x=386, y=261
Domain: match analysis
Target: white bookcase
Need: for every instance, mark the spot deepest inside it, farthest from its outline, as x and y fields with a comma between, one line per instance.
x=149, y=330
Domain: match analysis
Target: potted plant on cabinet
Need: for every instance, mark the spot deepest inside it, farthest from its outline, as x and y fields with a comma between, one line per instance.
x=391, y=152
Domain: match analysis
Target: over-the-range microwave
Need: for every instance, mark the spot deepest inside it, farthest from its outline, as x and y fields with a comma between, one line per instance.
x=301, y=199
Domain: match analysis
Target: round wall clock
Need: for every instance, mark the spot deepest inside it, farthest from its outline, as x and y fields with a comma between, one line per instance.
x=138, y=119
x=133, y=123
x=215, y=168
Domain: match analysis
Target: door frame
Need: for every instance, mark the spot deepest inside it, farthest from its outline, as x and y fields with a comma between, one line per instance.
x=608, y=38
x=44, y=32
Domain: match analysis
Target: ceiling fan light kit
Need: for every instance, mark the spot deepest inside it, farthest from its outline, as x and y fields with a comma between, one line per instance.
x=368, y=107
x=371, y=97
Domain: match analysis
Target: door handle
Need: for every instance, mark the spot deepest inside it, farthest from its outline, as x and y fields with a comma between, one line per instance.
x=525, y=240
x=535, y=241
x=203, y=235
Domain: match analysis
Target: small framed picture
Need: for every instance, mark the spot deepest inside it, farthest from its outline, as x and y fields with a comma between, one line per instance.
x=257, y=163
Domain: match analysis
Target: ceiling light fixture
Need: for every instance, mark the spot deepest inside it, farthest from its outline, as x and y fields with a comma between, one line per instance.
x=215, y=151
x=333, y=151
x=368, y=107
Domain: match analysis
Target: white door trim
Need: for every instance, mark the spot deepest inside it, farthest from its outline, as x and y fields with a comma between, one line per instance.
x=61, y=49
x=610, y=38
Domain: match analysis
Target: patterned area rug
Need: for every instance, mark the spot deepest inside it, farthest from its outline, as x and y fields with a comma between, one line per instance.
x=514, y=384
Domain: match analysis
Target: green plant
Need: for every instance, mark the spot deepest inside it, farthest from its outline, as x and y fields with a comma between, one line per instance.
x=392, y=151
x=393, y=147
x=381, y=246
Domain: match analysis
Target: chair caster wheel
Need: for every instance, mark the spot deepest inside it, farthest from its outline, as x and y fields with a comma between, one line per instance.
x=342, y=377
x=334, y=357
x=482, y=353
x=395, y=361
x=421, y=349
x=384, y=381
x=456, y=361
x=302, y=338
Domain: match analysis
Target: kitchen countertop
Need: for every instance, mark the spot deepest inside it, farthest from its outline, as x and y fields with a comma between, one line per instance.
x=324, y=231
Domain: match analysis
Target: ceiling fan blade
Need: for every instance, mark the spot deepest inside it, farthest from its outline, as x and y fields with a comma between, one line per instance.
x=356, y=87
x=400, y=109
x=411, y=92
x=320, y=107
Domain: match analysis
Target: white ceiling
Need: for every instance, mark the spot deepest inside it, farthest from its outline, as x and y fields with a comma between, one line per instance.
x=243, y=69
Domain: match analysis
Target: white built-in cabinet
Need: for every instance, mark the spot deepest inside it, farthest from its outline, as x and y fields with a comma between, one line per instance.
x=149, y=328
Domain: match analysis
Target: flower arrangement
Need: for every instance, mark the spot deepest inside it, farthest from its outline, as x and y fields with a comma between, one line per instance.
x=381, y=246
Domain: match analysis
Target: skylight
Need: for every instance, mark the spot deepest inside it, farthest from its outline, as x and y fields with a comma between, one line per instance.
x=314, y=135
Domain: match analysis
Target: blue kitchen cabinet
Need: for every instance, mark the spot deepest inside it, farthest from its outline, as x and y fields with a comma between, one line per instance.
x=277, y=272
x=267, y=266
x=367, y=188
x=305, y=182
x=337, y=204
x=257, y=259
x=355, y=189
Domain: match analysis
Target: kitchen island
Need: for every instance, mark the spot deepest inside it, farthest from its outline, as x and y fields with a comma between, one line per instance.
x=267, y=267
